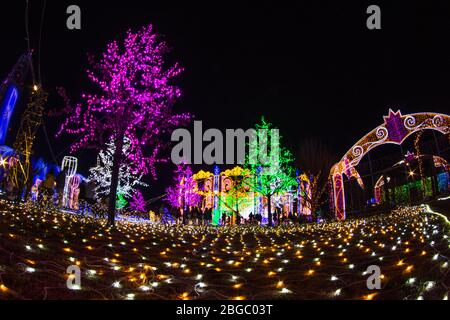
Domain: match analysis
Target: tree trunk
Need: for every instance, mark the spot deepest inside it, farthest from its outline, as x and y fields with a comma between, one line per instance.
x=269, y=209
x=117, y=159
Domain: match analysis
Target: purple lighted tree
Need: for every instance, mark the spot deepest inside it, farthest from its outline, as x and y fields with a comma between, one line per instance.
x=183, y=193
x=134, y=100
x=138, y=202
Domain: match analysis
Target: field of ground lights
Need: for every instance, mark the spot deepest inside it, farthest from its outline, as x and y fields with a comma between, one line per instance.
x=153, y=261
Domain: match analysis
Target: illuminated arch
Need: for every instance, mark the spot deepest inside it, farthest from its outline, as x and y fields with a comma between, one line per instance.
x=395, y=129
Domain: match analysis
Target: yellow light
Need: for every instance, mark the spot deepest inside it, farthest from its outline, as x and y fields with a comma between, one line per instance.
x=370, y=296
x=185, y=296
x=409, y=268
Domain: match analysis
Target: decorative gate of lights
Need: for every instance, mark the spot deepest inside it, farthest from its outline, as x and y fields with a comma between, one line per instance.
x=395, y=129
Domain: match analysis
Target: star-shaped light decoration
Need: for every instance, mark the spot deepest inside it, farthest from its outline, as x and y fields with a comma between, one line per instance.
x=395, y=126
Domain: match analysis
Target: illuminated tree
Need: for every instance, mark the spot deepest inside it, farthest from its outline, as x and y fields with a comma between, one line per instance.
x=183, y=192
x=272, y=173
x=134, y=99
x=101, y=173
x=121, y=202
x=138, y=202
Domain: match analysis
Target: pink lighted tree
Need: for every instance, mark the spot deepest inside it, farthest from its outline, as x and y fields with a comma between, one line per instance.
x=138, y=202
x=183, y=193
x=134, y=99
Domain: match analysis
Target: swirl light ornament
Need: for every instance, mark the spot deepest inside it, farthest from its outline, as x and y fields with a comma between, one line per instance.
x=395, y=129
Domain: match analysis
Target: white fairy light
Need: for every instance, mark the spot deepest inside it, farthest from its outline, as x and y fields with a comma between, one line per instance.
x=337, y=292
x=101, y=173
x=91, y=272
x=429, y=285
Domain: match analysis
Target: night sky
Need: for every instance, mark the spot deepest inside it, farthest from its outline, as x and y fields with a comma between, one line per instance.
x=312, y=68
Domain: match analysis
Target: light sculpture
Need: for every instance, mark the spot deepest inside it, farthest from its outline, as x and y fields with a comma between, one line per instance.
x=69, y=165
x=395, y=129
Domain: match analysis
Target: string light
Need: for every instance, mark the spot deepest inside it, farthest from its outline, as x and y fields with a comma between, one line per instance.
x=120, y=267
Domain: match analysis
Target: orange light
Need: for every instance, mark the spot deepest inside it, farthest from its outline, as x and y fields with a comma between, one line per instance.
x=184, y=296
x=370, y=296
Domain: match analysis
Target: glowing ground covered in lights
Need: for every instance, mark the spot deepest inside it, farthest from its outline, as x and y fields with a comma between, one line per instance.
x=150, y=261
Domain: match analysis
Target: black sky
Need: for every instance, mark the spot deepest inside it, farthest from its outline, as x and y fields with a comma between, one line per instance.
x=311, y=67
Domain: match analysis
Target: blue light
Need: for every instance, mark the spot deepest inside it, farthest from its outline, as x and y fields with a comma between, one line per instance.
x=11, y=97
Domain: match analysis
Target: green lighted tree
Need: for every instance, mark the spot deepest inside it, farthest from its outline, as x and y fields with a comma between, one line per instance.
x=270, y=165
x=121, y=202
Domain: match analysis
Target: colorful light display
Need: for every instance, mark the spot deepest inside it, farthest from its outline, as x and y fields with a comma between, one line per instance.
x=227, y=192
x=395, y=129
